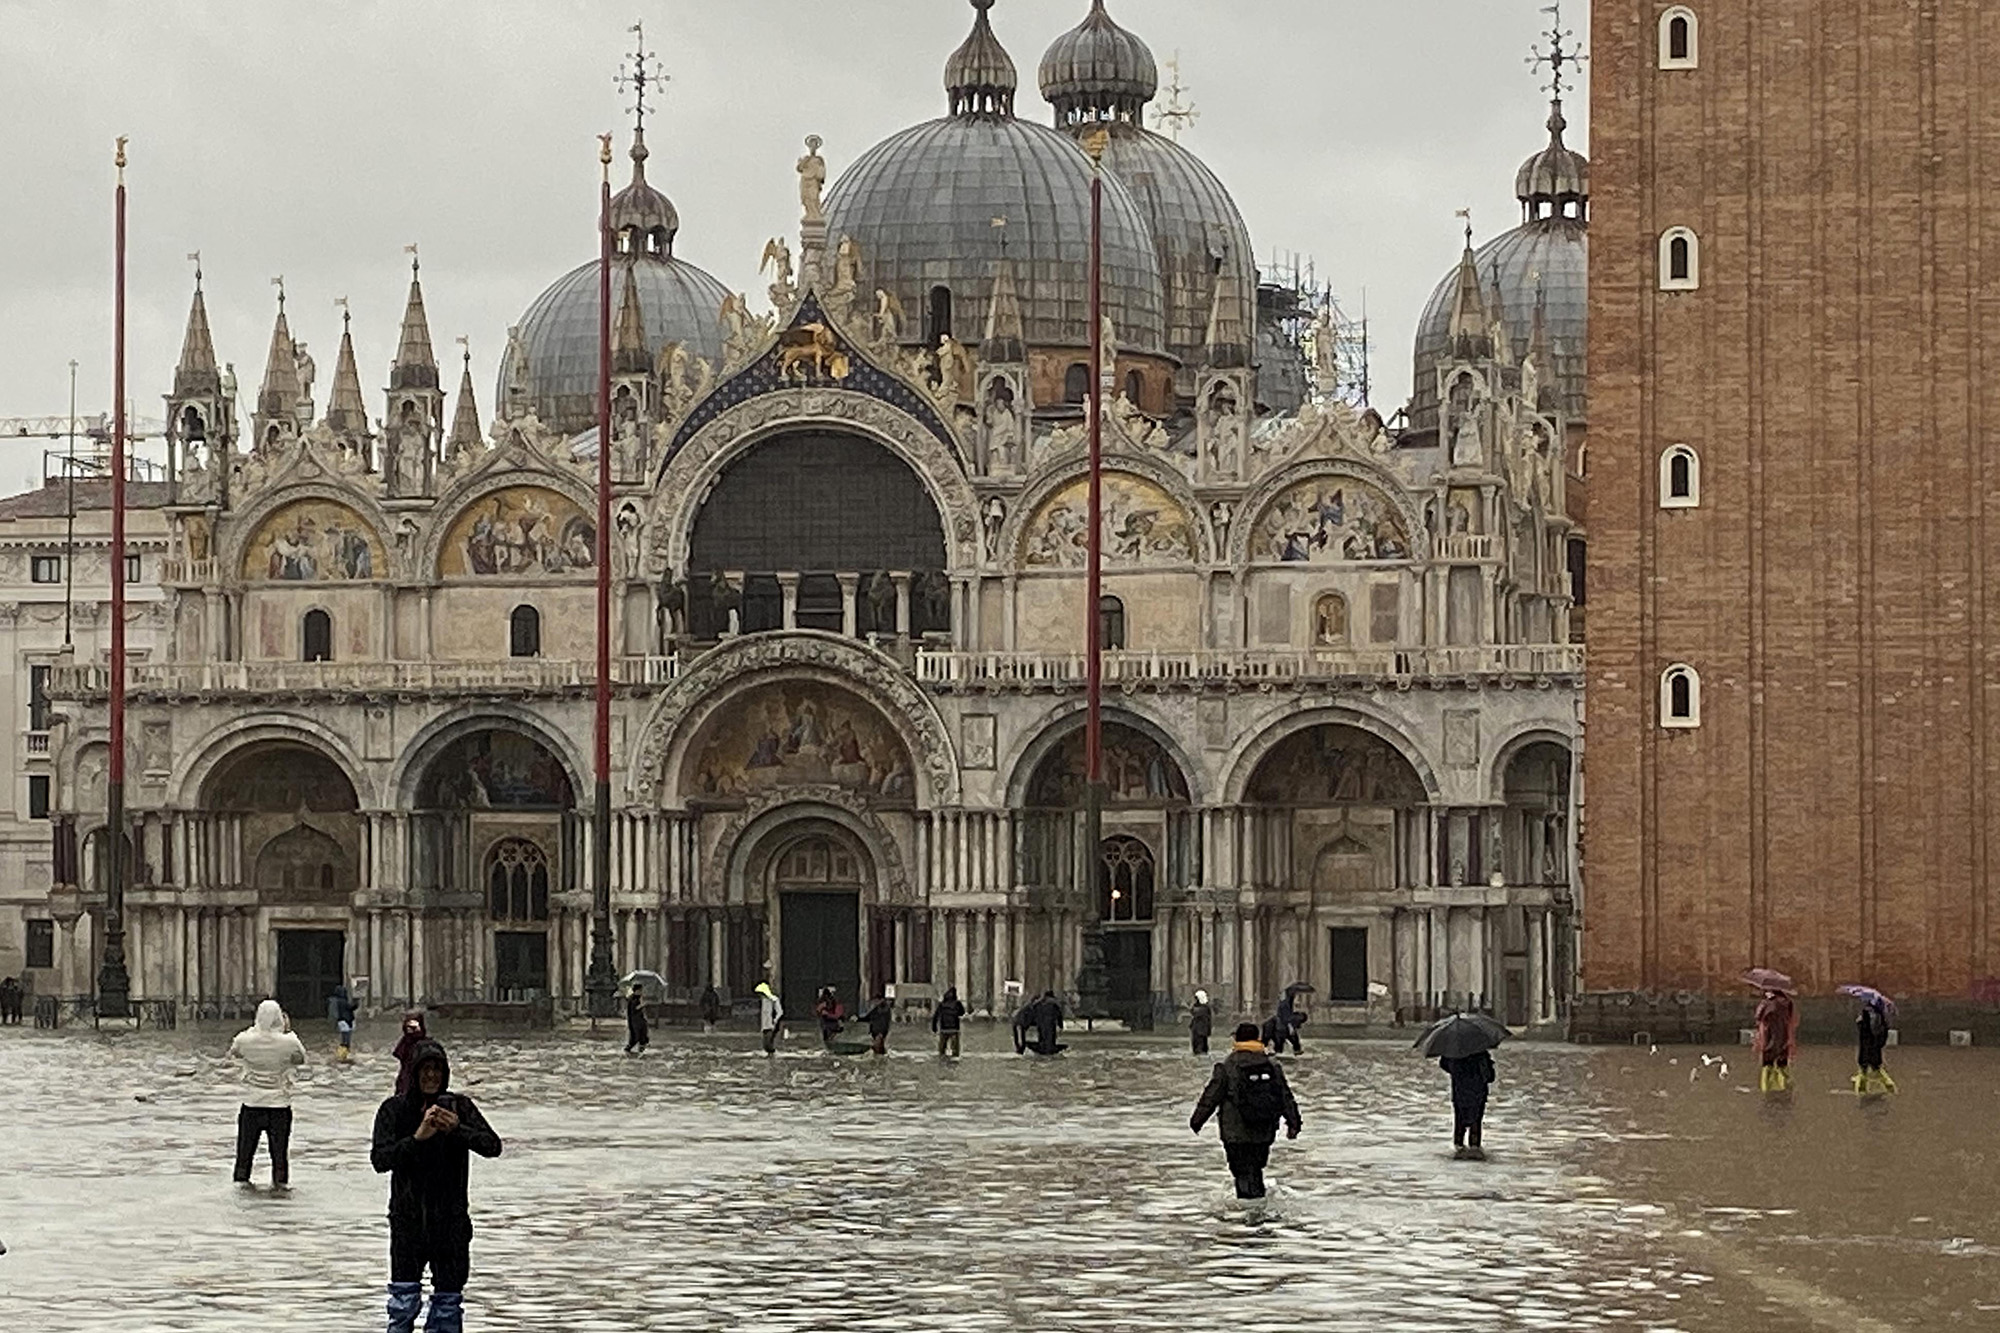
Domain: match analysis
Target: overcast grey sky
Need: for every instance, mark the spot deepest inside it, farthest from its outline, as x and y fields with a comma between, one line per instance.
x=317, y=140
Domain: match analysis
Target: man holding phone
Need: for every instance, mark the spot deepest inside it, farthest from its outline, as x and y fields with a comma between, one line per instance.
x=424, y=1139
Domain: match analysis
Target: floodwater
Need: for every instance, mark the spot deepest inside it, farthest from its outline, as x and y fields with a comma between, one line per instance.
x=702, y=1186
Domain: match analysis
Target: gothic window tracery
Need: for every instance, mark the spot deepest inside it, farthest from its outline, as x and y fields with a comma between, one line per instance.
x=517, y=881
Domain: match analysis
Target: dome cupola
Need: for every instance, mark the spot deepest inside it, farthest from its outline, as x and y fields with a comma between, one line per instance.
x=1554, y=183
x=1098, y=71
x=643, y=220
x=980, y=76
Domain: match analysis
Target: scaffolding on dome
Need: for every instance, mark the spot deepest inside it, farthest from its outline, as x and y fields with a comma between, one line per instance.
x=1291, y=300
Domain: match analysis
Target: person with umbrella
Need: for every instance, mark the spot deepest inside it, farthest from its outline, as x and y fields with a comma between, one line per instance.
x=1248, y=1088
x=1462, y=1044
x=1777, y=1028
x=637, y=1035
x=1201, y=1022
x=1871, y=1028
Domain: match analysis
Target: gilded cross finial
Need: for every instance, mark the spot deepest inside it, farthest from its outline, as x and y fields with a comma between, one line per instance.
x=1177, y=114
x=340, y=303
x=465, y=345
x=194, y=257
x=1563, y=53
x=642, y=71
x=120, y=159
x=1466, y=213
x=411, y=251
x=279, y=283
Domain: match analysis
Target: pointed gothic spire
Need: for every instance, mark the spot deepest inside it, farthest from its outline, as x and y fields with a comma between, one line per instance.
x=1228, y=340
x=1005, y=340
x=278, y=398
x=628, y=337
x=197, y=372
x=346, y=410
x=465, y=421
x=1496, y=321
x=415, y=366
x=1468, y=301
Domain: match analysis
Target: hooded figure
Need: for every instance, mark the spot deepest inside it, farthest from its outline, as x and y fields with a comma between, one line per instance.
x=1871, y=1030
x=1048, y=1021
x=637, y=1036
x=947, y=1019
x=270, y=1052
x=770, y=1013
x=1250, y=1091
x=340, y=1008
x=1201, y=1021
x=879, y=1018
x=711, y=1009
x=1287, y=1021
x=1471, y=1076
x=10, y=1001
x=413, y=1034
x=1777, y=1026
x=424, y=1140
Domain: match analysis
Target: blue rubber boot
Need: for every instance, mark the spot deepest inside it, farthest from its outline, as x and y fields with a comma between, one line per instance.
x=405, y=1299
x=447, y=1313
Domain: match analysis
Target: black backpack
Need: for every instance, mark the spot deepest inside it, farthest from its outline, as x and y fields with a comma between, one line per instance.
x=1258, y=1095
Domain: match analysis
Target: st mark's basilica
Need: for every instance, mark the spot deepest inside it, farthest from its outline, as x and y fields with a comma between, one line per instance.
x=1342, y=708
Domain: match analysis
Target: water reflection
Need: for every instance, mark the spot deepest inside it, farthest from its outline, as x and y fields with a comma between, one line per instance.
x=703, y=1186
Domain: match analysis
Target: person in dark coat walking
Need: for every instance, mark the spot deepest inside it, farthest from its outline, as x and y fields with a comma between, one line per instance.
x=637, y=1035
x=1871, y=1030
x=711, y=1010
x=1048, y=1023
x=1285, y=1024
x=1201, y=1022
x=946, y=1020
x=414, y=1035
x=1471, y=1076
x=878, y=1018
x=423, y=1142
x=10, y=1001
x=1249, y=1091
x=341, y=1009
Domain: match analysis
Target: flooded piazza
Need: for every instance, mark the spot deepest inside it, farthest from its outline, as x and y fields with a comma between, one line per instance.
x=702, y=1186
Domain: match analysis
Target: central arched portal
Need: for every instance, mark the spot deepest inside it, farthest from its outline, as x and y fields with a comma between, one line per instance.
x=815, y=877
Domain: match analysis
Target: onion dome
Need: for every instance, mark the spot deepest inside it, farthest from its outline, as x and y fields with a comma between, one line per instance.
x=552, y=365
x=1098, y=71
x=1543, y=263
x=980, y=76
x=937, y=206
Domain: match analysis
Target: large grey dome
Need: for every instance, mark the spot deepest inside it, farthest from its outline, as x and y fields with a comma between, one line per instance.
x=1196, y=229
x=558, y=336
x=923, y=206
x=1546, y=260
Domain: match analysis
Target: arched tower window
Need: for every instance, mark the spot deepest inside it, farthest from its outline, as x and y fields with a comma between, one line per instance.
x=1680, y=478
x=1680, y=260
x=517, y=881
x=524, y=632
x=1124, y=880
x=1076, y=383
x=1111, y=622
x=316, y=636
x=1680, y=38
x=1135, y=387
x=937, y=315
x=1680, y=697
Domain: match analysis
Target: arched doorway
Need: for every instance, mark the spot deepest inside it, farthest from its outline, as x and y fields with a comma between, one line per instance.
x=1338, y=814
x=1535, y=853
x=817, y=875
x=301, y=841
x=818, y=530
x=495, y=825
x=1122, y=888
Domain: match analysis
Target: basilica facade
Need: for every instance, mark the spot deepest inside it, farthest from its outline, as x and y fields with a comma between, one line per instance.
x=1342, y=710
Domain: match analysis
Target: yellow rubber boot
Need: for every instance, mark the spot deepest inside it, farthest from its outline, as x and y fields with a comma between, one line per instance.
x=1764, y=1078
x=1861, y=1080
x=1888, y=1084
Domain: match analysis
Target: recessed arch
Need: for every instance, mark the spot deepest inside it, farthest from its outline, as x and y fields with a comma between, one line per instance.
x=1250, y=753
x=201, y=761
x=786, y=732
x=313, y=539
x=519, y=532
x=423, y=751
x=1063, y=726
x=1386, y=496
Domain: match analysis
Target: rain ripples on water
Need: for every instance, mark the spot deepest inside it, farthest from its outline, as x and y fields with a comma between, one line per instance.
x=703, y=1187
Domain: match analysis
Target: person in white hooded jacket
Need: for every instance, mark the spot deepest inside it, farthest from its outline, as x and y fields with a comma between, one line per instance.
x=269, y=1052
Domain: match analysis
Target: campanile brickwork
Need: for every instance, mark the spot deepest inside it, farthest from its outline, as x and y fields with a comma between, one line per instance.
x=1838, y=585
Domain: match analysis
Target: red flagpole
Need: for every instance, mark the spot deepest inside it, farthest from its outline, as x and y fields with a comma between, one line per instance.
x=601, y=980
x=114, y=986
x=1093, y=736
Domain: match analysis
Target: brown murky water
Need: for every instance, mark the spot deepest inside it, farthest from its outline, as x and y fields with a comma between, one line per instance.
x=703, y=1187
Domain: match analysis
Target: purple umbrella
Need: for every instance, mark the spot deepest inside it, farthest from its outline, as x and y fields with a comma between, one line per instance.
x=1870, y=996
x=1765, y=978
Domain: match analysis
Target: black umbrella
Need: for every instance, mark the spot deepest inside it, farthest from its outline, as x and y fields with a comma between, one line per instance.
x=1461, y=1035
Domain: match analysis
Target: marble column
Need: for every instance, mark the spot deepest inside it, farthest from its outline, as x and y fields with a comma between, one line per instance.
x=788, y=588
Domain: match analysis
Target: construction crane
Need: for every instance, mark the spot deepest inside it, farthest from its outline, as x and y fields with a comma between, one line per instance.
x=88, y=452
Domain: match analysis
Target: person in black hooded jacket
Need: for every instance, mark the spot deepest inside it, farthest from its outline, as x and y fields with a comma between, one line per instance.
x=1249, y=1090
x=423, y=1142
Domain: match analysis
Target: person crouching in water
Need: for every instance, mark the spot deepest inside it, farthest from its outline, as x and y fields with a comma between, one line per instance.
x=829, y=1011
x=879, y=1018
x=423, y=1142
x=1871, y=1028
x=770, y=1013
x=1249, y=1090
x=1777, y=1033
x=637, y=1036
x=1471, y=1076
x=269, y=1050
